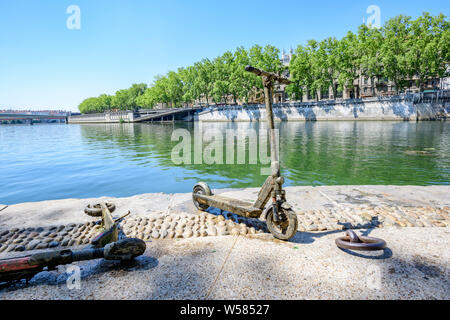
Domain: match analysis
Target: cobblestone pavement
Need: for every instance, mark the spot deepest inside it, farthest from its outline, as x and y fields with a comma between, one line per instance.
x=206, y=224
x=318, y=209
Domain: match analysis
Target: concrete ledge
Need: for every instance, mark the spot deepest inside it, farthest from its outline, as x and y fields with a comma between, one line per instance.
x=62, y=223
x=252, y=265
x=415, y=266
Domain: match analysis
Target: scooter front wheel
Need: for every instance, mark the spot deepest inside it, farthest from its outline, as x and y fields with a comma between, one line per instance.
x=96, y=209
x=284, y=229
x=201, y=188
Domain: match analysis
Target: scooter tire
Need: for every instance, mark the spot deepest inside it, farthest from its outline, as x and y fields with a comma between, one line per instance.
x=201, y=188
x=96, y=210
x=288, y=230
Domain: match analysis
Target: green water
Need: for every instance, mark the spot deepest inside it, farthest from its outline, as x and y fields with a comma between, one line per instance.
x=59, y=161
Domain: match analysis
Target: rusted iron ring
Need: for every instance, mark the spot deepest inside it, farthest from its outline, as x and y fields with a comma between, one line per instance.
x=96, y=210
x=352, y=241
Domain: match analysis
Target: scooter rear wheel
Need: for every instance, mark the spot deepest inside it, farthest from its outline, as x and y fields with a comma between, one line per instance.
x=201, y=188
x=285, y=229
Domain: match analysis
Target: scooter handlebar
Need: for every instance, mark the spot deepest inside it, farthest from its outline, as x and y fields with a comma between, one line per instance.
x=271, y=75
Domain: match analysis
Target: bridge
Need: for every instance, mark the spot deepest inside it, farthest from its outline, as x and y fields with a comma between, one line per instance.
x=142, y=115
x=164, y=115
x=30, y=117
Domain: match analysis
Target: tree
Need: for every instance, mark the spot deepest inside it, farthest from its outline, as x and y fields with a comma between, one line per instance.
x=349, y=61
x=203, y=82
x=241, y=81
x=317, y=82
x=301, y=73
x=425, y=57
x=160, y=91
x=174, y=89
x=371, y=41
x=328, y=49
x=134, y=92
x=121, y=100
x=222, y=69
x=442, y=29
x=147, y=100
x=267, y=58
x=323, y=61
x=187, y=77
x=394, y=49
x=104, y=102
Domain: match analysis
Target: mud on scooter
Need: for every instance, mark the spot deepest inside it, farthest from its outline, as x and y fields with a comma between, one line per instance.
x=280, y=218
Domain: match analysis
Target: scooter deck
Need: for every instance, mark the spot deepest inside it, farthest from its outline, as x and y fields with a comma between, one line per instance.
x=239, y=207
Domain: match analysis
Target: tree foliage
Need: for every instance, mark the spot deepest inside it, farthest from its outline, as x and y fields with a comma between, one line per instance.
x=126, y=99
x=403, y=49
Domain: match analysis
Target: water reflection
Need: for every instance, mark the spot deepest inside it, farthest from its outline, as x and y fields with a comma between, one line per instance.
x=44, y=162
x=365, y=152
x=312, y=153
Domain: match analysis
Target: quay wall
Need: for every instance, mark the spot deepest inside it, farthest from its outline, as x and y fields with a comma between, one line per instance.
x=108, y=117
x=375, y=109
x=390, y=109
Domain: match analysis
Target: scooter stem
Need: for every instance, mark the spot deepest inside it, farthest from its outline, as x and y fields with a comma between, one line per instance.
x=268, y=79
x=268, y=94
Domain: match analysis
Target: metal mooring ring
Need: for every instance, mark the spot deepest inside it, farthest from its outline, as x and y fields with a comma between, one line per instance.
x=359, y=243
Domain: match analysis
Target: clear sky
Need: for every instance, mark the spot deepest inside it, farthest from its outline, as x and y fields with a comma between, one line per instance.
x=44, y=64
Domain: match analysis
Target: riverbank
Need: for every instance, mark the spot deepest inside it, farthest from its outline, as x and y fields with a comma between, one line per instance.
x=62, y=223
x=330, y=207
x=198, y=264
x=349, y=110
x=398, y=108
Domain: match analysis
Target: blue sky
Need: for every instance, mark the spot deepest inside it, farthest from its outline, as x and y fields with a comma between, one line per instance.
x=43, y=64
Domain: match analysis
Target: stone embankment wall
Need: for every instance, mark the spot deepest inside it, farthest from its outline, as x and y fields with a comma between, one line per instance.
x=109, y=117
x=367, y=109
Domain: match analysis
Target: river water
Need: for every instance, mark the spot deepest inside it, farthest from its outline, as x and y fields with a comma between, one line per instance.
x=57, y=161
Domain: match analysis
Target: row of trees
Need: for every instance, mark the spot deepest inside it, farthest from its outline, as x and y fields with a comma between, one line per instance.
x=401, y=50
x=216, y=81
x=210, y=80
x=125, y=99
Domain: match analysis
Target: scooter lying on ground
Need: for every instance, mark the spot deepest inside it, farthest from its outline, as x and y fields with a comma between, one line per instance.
x=110, y=244
x=109, y=229
x=281, y=219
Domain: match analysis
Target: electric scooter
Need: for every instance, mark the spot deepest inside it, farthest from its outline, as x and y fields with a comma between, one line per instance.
x=280, y=218
x=110, y=244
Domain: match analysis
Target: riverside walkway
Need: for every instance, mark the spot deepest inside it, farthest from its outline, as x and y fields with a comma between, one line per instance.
x=163, y=115
x=30, y=117
x=214, y=255
x=143, y=115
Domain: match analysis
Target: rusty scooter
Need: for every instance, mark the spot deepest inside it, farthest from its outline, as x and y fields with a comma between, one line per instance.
x=280, y=218
x=110, y=244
